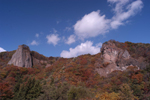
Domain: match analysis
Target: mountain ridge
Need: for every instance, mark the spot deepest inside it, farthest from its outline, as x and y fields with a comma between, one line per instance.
x=37, y=58
x=102, y=73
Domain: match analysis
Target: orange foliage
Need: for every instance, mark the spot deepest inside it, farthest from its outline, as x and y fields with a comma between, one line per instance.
x=132, y=68
x=138, y=77
x=32, y=71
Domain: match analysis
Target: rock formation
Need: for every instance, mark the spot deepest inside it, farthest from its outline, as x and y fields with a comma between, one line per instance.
x=22, y=57
x=111, y=53
x=114, y=58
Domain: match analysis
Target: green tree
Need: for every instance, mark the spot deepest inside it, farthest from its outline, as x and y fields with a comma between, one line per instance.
x=28, y=91
x=126, y=93
x=52, y=92
x=76, y=93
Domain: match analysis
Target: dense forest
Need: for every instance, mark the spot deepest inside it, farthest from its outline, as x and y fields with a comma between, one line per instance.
x=76, y=78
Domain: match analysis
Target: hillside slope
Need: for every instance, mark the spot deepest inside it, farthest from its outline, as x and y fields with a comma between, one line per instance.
x=120, y=72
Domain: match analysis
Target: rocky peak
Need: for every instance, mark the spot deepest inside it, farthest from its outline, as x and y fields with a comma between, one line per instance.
x=22, y=57
x=110, y=52
x=114, y=58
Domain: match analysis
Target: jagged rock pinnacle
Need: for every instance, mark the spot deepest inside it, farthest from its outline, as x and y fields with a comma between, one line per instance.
x=22, y=57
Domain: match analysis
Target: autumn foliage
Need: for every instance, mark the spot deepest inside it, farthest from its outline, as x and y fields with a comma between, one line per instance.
x=76, y=78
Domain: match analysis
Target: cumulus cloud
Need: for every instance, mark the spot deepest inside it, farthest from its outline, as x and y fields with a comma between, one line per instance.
x=2, y=50
x=91, y=25
x=71, y=39
x=34, y=42
x=52, y=39
x=83, y=48
x=94, y=23
x=37, y=35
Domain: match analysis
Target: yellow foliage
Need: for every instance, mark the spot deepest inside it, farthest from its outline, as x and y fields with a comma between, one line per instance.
x=108, y=96
x=3, y=74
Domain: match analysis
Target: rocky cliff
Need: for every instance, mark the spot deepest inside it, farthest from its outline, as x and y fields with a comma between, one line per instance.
x=22, y=57
x=111, y=53
x=114, y=58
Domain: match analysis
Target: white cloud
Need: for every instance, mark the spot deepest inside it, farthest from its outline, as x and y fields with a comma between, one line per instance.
x=121, y=15
x=37, y=35
x=115, y=24
x=91, y=25
x=67, y=28
x=119, y=4
x=54, y=31
x=71, y=39
x=2, y=50
x=52, y=39
x=99, y=44
x=94, y=24
x=34, y=42
x=83, y=48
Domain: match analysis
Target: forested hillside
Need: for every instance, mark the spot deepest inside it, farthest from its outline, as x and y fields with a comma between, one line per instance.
x=77, y=78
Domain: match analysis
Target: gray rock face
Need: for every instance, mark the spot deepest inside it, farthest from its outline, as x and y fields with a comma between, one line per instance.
x=22, y=57
x=114, y=58
x=111, y=53
x=126, y=54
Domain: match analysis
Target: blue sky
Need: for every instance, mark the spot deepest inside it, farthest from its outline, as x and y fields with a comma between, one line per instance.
x=68, y=28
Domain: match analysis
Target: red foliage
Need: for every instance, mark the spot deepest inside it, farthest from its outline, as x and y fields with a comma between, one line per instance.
x=138, y=77
x=23, y=70
x=5, y=91
x=83, y=62
x=31, y=71
x=12, y=68
x=49, y=69
x=10, y=80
